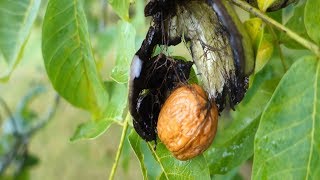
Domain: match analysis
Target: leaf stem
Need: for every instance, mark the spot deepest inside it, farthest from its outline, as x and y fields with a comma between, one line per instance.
x=123, y=135
x=279, y=47
x=119, y=123
x=308, y=44
x=158, y=159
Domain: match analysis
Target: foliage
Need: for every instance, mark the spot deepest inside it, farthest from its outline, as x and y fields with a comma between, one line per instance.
x=277, y=123
x=16, y=21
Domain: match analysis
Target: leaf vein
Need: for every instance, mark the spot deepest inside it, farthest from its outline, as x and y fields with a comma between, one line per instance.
x=313, y=120
x=159, y=160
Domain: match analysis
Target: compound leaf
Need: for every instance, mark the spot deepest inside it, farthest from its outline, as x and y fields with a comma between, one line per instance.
x=234, y=144
x=16, y=21
x=287, y=141
x=68, y=57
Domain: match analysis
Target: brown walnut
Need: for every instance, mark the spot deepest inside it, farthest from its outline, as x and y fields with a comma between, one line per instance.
x=187, y=122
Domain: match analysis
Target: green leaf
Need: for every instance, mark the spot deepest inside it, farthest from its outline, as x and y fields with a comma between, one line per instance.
x=255, y=28
x=125, y=52
x=273, y=5
x=312, y=19
x=261, y=41
x=288, y=138
x=125, y=154
x=135, y=142
x=232, y=153
x=68, y=57
x=295, y=23
x=116, y=105
x=264, y=52
x=139, y=20
x=172, y=168
x=231, y=175
x=193, y=79
x=234, y=144
x=265, y=4
x=17, y=18
x=105, y=40
x=121, y=7
x=91, y=129
x=117, y=101
x=195, y=168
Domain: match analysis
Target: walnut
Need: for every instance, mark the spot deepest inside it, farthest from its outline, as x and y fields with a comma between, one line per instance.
x=187, y=122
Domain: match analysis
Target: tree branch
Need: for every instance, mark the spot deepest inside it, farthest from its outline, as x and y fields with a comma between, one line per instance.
x=308, y=44
x=11, y=117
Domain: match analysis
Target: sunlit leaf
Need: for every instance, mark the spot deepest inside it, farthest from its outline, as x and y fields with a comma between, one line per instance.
x=273, y=5
x=16, y=20
x=121, y=7
x=125, y=52
x=312, y=19
x=262, y=42
x=265, y=4
x=255, y=28
x=68, y=57
x=91, y=129
x=264, y=52
x=287, y=141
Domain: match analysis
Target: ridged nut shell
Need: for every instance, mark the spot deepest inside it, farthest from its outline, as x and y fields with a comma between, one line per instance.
x=187, y=122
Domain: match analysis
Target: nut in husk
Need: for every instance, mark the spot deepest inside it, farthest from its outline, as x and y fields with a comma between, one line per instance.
x=187, y=122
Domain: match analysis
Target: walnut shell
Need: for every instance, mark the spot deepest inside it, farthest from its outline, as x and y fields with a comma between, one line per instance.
x=187, y=122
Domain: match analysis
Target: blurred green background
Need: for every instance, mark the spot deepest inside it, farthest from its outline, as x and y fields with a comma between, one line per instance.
x=58, y=157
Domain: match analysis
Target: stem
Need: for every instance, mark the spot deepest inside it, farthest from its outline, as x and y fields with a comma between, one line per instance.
x=42, y=122
x=123, y=135
x=279, y=47
x=12, y=119
x=310, y=45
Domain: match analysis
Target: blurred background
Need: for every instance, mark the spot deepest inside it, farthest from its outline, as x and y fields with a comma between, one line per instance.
x=46, y=123
x=51, y=155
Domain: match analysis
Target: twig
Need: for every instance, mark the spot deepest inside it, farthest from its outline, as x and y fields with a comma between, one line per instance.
x=22, y=139
x=12, y=119
x=308, y=44
x=278, y=46
x=47, y=118
x=10, y=155
x=116, y=162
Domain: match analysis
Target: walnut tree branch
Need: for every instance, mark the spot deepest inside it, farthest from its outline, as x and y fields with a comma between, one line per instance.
x=308, y=44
